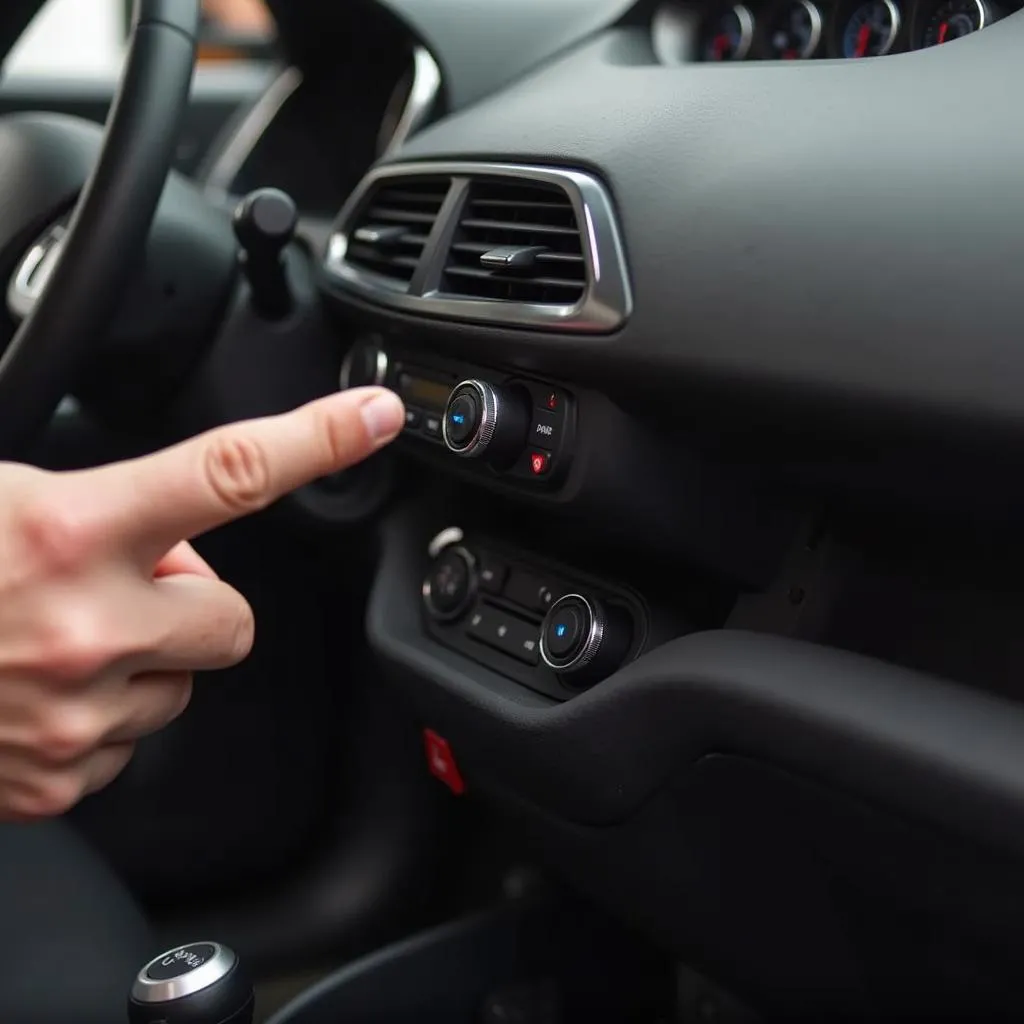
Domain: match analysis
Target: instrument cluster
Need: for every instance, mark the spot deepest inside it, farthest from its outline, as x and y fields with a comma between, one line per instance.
x=807, y=29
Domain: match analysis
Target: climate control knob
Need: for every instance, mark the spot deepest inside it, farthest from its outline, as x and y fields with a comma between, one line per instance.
x=365, y=363
x=484, y=420
x=450, y=585
x=584, y=638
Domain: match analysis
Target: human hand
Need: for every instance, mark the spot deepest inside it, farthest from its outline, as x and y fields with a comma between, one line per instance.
x=106, y=610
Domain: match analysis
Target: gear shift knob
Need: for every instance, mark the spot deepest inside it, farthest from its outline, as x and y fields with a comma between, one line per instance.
x=264, y=224
x=201, y=983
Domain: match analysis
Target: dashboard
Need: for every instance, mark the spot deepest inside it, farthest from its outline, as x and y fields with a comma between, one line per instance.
x=702, y=546
x=808, y=29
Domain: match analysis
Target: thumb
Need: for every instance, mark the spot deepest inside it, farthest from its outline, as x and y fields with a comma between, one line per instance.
x=149, y=504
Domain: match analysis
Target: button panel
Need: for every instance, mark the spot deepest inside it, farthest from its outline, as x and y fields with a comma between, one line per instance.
x=501, y=624
x=425, y=384
x=505, y=632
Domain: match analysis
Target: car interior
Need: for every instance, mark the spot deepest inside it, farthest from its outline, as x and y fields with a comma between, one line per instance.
x=668, y=667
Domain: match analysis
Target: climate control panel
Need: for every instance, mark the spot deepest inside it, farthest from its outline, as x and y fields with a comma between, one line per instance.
x=503, y=425
x=546, y=628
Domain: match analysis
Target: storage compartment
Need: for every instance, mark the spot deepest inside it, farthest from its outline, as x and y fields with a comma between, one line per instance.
x=537, y=961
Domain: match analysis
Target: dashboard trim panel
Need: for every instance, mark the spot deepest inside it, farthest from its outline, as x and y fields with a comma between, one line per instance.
x=246, y=136
x=423, y=94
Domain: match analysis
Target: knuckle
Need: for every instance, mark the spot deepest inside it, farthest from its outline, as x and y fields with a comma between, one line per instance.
x=54, y=534
x=77, y=646
x=238, y=472
x=67, y=734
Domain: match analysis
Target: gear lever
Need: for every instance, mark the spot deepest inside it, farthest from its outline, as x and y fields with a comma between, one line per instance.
x=264, y=224
x=201, y=983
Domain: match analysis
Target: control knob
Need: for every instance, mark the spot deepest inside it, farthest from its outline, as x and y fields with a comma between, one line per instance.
x=365, y=363
x=584, y=638
x=488, y=421
x=201, y=983
x=450, y=585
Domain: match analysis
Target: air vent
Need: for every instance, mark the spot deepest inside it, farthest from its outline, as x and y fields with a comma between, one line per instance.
x=517, y=241
x=488, y=243
x=391, y=232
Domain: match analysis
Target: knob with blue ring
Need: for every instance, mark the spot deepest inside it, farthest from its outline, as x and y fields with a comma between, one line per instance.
x=487, y=420
x=584, y=639
x=572, y=633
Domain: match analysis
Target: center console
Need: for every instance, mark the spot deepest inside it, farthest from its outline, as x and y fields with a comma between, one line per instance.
x=552, y=628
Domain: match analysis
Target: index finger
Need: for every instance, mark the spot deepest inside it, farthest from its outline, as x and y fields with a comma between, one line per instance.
x=150, y=504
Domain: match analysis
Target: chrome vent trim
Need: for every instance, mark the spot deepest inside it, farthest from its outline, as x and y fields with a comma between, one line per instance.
x=606, y=301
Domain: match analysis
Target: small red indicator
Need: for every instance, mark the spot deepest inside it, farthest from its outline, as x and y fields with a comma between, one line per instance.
x=539, y=462
x=441, y=762
x=552, y=402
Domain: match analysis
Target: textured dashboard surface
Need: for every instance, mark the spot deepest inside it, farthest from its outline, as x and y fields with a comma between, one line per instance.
x=839, y=230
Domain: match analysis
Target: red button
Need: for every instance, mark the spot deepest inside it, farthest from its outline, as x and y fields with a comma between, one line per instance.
x=540, y=462
x=552, y=401
x=441, y=762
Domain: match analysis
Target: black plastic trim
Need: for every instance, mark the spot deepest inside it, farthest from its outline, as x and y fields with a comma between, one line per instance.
x=782, y=244
x=930, y=748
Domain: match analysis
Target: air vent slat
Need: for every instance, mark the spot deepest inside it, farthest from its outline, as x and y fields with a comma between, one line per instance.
x=486, y=275
x=530, y=225
x=410, y=196
x=369, y=255
x=374, y=241
x=482, y=224
x=479, y=248
x=524, y=204
x=401, y=216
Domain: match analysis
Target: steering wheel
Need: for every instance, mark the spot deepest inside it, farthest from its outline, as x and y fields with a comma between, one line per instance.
x=106, y=236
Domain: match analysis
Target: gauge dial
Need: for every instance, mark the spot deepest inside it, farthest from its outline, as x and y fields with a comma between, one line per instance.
x=795, y=31
x=872, y=29
x=953, y=19
x=729, y=37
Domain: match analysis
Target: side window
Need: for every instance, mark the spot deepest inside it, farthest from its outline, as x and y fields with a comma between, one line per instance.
x=75, y=38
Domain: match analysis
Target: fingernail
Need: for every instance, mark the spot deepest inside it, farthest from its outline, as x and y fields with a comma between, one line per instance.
x=384, y=416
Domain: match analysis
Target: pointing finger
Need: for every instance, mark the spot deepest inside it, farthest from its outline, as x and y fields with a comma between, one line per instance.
x=153, y=502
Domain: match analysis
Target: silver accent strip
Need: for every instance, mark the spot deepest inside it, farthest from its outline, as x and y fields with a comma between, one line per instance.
x=446, y=538
x=896, y=23
x=591, y=645
x=33, y=274
x=244, y=138
x=607, y=300
x=218, y=967
x=423, y=93
x=746, y=20
x=489, y=413
x=427, y=591
x=380, y=371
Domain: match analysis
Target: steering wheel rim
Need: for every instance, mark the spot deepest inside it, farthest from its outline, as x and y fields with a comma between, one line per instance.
x=110, y=224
